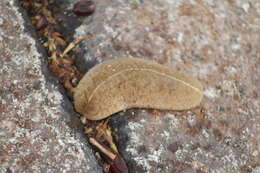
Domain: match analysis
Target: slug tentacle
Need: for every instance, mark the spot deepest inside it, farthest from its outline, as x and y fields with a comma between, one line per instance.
x=134, y=83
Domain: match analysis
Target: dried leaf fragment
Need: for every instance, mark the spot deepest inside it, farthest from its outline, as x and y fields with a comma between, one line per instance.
x=126, y=83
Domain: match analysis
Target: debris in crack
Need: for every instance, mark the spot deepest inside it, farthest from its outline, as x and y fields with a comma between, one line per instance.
x=116, y=162
x=61, y=64
x=49, y=30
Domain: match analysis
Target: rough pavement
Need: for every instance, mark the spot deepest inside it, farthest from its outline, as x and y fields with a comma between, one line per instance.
x=216, y=41
x=39, y=131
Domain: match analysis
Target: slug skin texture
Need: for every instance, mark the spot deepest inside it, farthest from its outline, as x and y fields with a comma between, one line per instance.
x=124, y=83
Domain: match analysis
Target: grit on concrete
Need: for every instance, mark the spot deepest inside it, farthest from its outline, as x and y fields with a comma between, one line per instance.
x=38, y=131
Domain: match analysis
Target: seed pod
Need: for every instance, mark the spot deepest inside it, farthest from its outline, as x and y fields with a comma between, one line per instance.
x=126, y=83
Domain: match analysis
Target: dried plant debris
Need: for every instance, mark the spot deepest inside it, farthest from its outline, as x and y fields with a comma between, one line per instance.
x=61, y=63
x=49, y=33
x=126, y=83
x=116, y=163
x=100, y=136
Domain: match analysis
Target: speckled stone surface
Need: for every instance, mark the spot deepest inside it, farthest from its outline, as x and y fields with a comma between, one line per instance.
x=39, y=131
x=216, y=41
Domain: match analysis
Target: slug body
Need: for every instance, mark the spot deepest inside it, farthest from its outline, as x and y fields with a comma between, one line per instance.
x=125, y=83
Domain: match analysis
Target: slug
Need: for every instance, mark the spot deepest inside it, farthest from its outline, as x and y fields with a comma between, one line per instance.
x=125, y=83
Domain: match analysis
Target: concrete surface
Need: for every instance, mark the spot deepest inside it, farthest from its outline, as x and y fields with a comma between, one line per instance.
x=216, y=41
x=39, y=131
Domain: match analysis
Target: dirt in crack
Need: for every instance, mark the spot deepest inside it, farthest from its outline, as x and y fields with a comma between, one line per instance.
x=55, y=30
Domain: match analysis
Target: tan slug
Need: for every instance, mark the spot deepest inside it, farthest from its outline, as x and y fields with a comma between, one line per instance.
x=125, y=83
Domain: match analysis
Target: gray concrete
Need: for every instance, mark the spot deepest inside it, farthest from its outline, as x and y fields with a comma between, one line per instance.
x=216, y=41
x=39, y=131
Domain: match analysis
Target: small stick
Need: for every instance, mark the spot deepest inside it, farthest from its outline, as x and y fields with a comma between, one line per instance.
x=108, y=153
x=109, y=138
x=75, y=42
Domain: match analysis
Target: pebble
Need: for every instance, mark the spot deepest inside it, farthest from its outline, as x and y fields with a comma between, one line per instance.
x=84, y=7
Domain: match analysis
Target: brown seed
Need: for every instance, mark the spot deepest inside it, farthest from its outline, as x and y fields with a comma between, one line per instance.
x=126, y=83
x=84, y=7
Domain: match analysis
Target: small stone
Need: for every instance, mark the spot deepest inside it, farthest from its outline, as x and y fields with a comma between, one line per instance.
x=84, y=7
